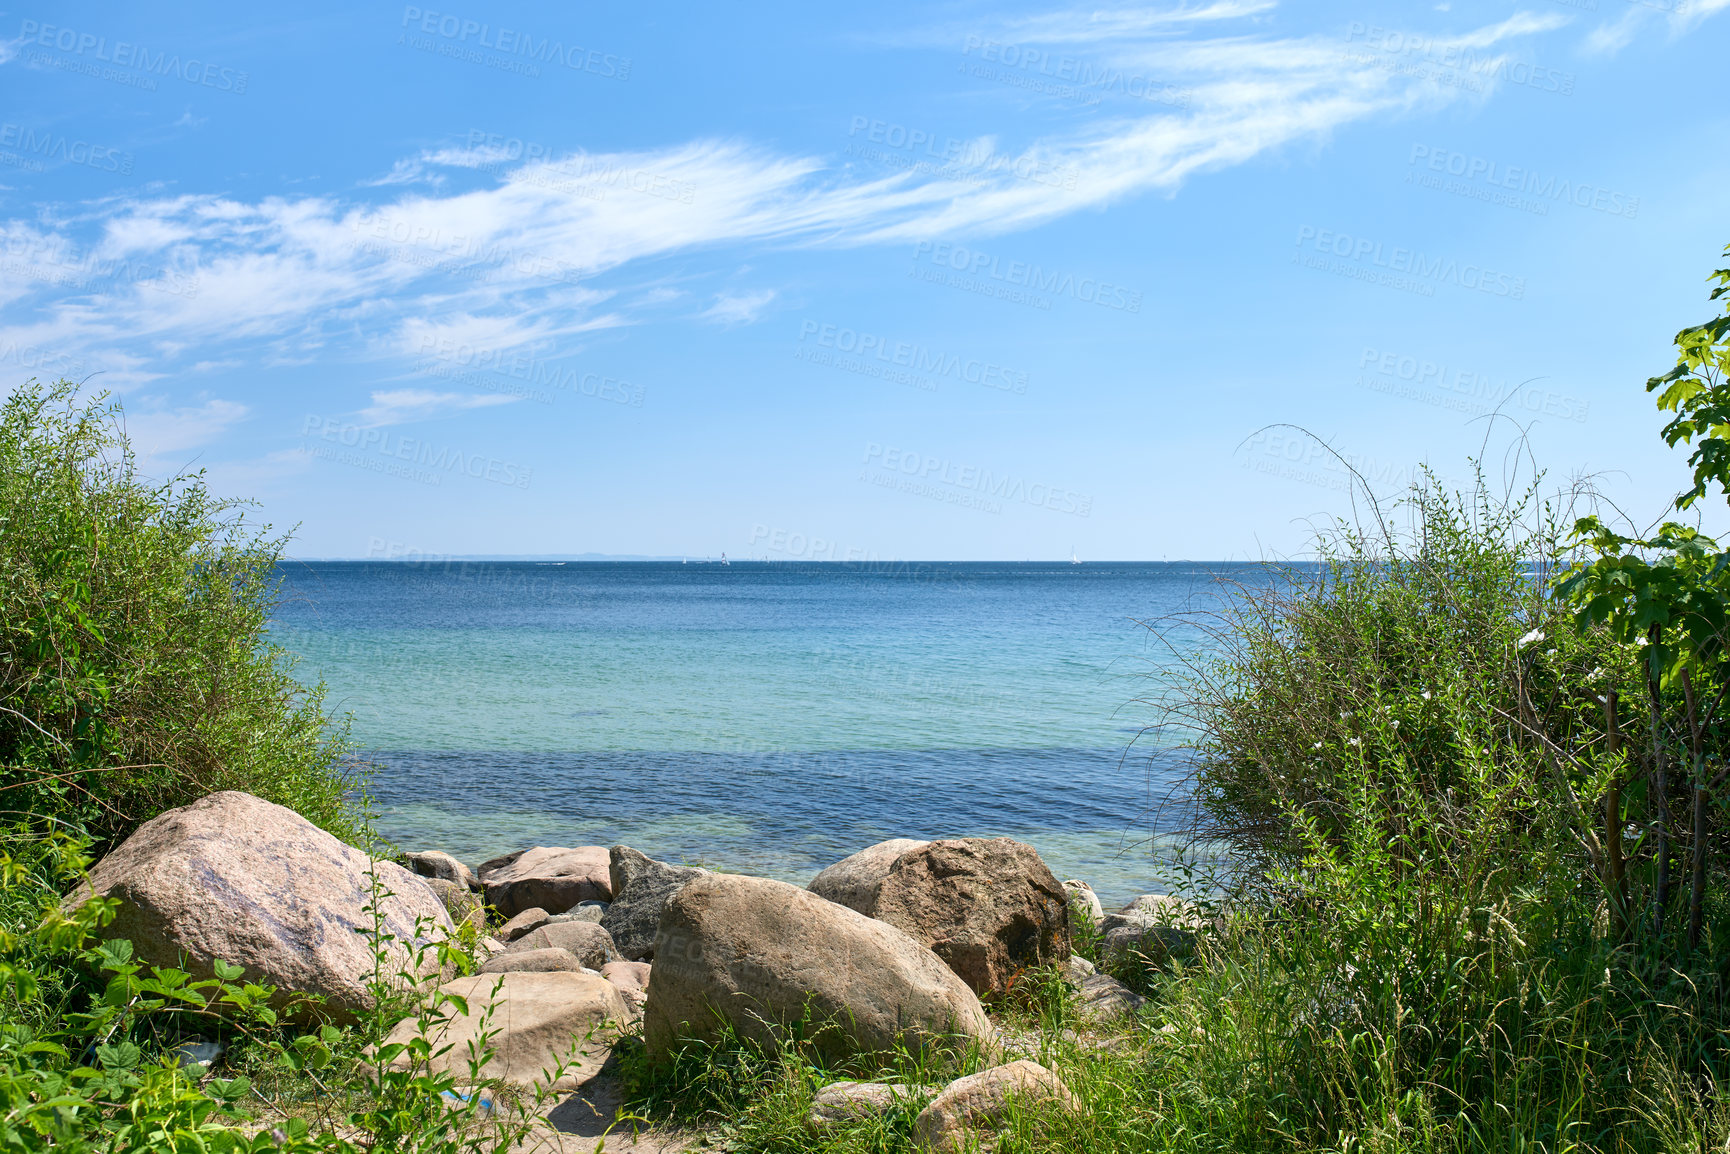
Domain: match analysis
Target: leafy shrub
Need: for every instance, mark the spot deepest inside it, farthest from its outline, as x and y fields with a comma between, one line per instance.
x=135, y=671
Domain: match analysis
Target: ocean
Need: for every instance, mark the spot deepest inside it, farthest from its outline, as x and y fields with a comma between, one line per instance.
x=761, y=717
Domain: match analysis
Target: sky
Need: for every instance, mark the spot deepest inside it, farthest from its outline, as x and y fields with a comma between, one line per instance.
x=818, y=282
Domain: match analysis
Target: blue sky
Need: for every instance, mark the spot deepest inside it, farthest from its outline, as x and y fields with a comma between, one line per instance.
x=924, y=281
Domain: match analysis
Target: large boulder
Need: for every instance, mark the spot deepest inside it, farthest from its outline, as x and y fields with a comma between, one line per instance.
x=586, y=941
x=760, y=954
x=237, y=878
x=987, y=906
x=553, y=879
x=642, y=887
x=541, y=1019
x=982, y=1102
x=856, y=881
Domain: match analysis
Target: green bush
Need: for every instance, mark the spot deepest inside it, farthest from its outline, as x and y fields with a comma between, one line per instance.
x=135, y=671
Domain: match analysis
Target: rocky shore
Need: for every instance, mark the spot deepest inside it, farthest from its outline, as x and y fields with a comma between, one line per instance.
x=904, y=944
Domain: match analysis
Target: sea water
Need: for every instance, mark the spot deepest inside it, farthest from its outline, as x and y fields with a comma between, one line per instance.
x=763, y=717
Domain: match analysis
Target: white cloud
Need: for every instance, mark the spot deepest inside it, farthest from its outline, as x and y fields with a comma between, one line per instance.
x=157, y=432
x=738, y=308
x=399, y=406
x=515, y=257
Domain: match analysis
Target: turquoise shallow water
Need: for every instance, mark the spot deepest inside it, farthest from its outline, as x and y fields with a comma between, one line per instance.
x=766, y=717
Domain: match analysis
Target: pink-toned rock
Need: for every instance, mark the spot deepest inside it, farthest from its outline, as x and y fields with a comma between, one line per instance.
x=632, y=980
x=541, y=1019
x=526, y=922
x=237, y=878
x=981, y=1103
x=761, y=955
x=553, y=878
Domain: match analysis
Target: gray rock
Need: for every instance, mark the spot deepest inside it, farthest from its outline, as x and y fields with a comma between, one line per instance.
x=549, y=959
x=1152, y=928
x=588, y=942
x=1083, y=902
x=842, y=1102
x=759, y=955
x=1102, y=996
x=434, y=863
x=642, y=887
x=1077, y=970
x=585, y=912
x=552, y=878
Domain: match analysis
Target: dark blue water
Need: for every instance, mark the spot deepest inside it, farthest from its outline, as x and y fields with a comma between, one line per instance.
x=764, y=717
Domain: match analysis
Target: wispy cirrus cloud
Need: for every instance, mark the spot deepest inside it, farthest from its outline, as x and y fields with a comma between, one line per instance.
x=400, y=406
x=468, y=240
x=738, y=308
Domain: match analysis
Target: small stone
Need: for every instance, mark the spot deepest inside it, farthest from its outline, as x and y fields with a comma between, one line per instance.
x=1077, y=970
x=632, y=980
x=980, y=1103
x=538, y=1021
x=588, y=942
x=1103, y=996
x=989, y=907
x=435, y=863
x=1083, y=902
x=462, y=904
x=547, y=960
x=526, y=922
x=841, y=1102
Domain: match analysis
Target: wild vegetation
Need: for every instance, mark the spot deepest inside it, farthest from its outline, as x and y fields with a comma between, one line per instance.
x=1466, y=773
